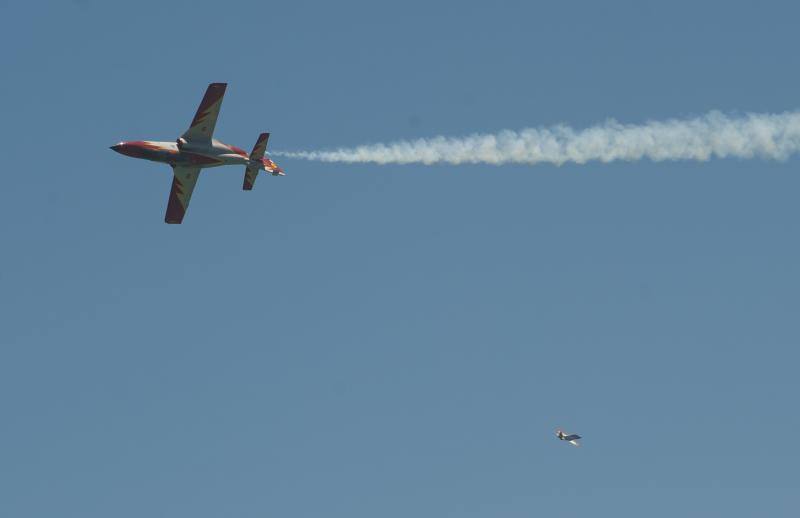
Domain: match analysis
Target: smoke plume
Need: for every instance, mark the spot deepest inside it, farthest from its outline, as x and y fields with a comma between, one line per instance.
x=767, y=136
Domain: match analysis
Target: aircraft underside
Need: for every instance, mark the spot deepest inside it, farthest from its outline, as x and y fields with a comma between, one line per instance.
x=170, y=153
x=196, y=149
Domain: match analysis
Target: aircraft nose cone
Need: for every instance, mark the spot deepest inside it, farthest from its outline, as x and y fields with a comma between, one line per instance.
x=116, y=147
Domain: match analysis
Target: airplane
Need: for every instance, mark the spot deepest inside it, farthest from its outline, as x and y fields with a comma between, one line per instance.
x=571, y=438
x=195, y=150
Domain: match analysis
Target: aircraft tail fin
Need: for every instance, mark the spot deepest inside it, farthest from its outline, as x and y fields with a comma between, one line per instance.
x=251, y=171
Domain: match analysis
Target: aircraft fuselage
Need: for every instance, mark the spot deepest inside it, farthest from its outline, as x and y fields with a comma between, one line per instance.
x=212, y=154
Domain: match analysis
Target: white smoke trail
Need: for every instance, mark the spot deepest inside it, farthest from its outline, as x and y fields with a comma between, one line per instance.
x=768, y=136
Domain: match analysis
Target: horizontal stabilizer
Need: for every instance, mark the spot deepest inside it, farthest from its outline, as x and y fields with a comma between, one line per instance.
x=250, y=175
x=260, y=148
x=257, y=155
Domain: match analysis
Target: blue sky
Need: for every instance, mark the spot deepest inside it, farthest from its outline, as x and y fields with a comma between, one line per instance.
x=394, y=341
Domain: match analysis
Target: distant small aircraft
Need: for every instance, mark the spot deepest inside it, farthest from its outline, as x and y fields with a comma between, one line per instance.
x=195, y=149
x=570, y=438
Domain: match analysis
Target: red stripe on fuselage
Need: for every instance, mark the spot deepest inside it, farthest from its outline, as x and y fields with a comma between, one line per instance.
x=238, y=151
x=197, y=159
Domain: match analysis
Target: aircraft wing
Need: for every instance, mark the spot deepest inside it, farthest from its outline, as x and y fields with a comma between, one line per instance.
x=202, y=127
x=183, y=182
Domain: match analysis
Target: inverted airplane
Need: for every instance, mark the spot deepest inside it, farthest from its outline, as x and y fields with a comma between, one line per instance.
x=572, y=438
x=196, y=149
